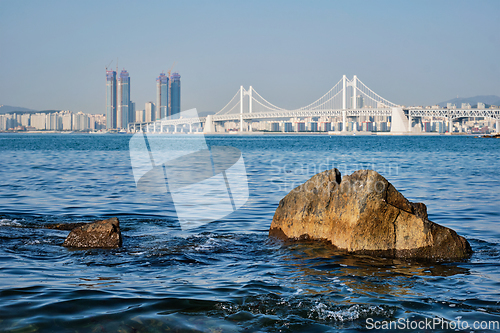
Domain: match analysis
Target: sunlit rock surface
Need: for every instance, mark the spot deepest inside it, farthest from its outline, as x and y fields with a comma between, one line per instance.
x=364, y=213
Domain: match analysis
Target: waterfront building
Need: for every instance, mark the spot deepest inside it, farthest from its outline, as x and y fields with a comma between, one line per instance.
x=175, y=95
x=367, y=126
x=25, y=119
x=426, y=126
x=111, y=99
x=465, y=106
x=123, y=93
x=313, y=126
x=80, y=121
x=288, y=127
x=325, y=126
x=360, y=101
x=38, y=121
x=131, y=112
x=481, y=105
x=162, y=96
x=149, y=112
x=67, y=121
x=139, y=116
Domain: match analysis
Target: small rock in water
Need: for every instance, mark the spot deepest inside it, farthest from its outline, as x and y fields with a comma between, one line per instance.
x=364, y=213
x=100, y=234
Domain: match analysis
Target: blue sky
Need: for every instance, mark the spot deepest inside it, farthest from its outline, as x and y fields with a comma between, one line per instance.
x=53, y=53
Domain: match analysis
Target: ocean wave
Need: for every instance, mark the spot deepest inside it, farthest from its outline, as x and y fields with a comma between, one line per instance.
x=9, y=223
x=321, y=312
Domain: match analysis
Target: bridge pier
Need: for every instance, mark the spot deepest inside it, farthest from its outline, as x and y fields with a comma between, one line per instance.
x=497, y=125
x=450, y=125
x=399, y=122
x=209, y=125
x=410, y=121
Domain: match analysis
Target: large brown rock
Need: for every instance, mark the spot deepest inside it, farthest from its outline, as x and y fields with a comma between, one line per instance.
x=364, y=213
x=100, y=234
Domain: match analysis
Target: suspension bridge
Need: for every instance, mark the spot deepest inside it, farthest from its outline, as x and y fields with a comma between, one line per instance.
x=348, y=98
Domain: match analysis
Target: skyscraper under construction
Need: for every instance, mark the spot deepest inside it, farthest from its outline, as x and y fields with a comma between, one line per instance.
x=162, y=89
x=175, y=95
x=110, y=99
x=124, y=105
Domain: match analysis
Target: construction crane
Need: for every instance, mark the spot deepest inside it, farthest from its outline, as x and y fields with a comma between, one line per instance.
x=170, y=70
x=109, y=65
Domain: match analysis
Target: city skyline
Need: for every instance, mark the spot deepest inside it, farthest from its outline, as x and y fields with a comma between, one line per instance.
x=121, y=110
x=413, y=53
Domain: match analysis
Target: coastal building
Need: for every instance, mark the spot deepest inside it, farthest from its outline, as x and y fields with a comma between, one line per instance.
x=139, y=116
x=80, y=121
x=25, y=119
x=111, y=99
x=288, y=127
x=175, y=95
x=481, y=105
x=360, y=101
x=275, y=127
x=325, y=126
x=162, y=96
x=123, y=108
x=67, y=121
x=149, y=112
x=38, y=121
x=131, y=112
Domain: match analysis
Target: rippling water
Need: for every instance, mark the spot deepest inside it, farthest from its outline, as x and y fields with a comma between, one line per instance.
x=228, y=275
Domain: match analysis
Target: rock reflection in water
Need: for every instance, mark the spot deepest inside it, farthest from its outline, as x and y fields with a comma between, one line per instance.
x=322, y=269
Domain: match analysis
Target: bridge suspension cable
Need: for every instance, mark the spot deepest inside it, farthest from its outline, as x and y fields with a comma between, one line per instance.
x=224, y=111
x=357, y=94
x=314, y=105
x=372, y=95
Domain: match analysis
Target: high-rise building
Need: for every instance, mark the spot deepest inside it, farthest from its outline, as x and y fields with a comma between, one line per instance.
x=162, y=96
x=139, y=116
x=175, y=95
x=149, y=112
x=131, y=113
x=123, y=110
x=110, y=99
x=359, y=101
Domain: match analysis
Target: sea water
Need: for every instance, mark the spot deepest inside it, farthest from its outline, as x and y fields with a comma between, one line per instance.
x=228, y=276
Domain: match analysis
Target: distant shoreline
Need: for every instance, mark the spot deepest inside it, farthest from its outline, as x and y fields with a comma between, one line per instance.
x=256, y=133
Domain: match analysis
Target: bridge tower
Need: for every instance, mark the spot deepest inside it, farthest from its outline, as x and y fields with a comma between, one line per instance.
x=241, y=109
x=250, y=99
x=344, y=104
x=354, y=102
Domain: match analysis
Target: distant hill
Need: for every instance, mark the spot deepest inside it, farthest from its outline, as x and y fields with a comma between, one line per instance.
x=486, y=99
x=17, y=109
x=10, y=109
x=205, y=113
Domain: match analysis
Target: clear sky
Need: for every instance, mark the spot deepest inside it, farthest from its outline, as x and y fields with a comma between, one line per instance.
x=53, y=54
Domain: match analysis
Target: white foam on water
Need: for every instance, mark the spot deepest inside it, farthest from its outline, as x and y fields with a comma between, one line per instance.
x=349, y=314
x=209, y=245
x=9, y=223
